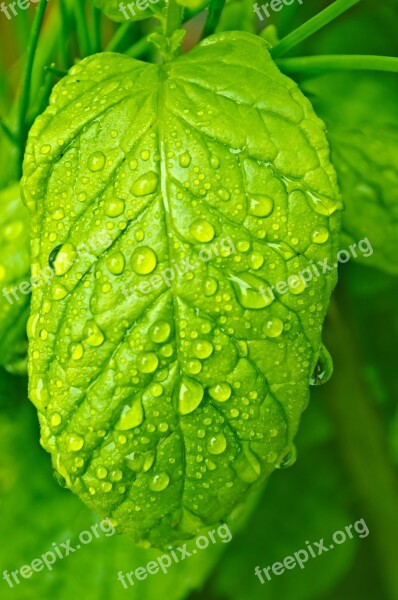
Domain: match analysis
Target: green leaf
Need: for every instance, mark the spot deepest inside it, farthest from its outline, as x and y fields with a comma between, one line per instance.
x=168, y=389
x=363, y=133
x=14, y=271
x=130, y=11
x=39, y=513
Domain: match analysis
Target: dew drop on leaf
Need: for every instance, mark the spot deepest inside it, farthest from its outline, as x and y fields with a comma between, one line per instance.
x=202, y=231
x=159, y=482
x=146, y=184
x=144, y=260
x=96, y=161
x=190, y=395
x=324, y=368
x=217, y=444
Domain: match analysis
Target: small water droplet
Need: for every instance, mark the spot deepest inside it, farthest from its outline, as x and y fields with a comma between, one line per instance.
x=144, y=260
x=76, y=351
x=132, y=416
x=210, y=286
x=273, y=328
x=256, y=260
x=75, y=442
x=160, y=332
x=289, y=459
x=320, y=235
x=55, y=419
x=101, y=472
x=202, y=231
x=115, y=263
x=59, y=292
x=114, y=207
x=185, y=159
x=324, y=368
x=146, y=184
x=96, y=161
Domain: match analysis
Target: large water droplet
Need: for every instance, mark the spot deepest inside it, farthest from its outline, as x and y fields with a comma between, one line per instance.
x=76, y=351
x=132, y=416
x=273, y=328
x=185, y=160
x=248, y=292
x=202, y=231
x=93, y=334
x=320, y=235
x=64, y=259
x=210, y=286
x=217, y=444
x=144, y=260
x=160, y=332
x=159, y=482
x=261, y=206
x=289, y=459
x=220, y=392
x=146, y=184
x=190, y=395
x=114, y=207
x=147, y=362
x=75, y=442
x=202, y=349
x=115, y=263
x=324, y=368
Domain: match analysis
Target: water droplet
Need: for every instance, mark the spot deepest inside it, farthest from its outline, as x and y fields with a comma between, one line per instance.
x=146, y=184
x=145, y=155
x=256, y=260
x=115, y=263
x=185, y=160
x=320, y=235
x=194, y=367
x=160, y=332
x=76, y=351
x=322, y=204
x=59, y=292
x=217, y=444
x=156, y=390
x=202, y=349
x=45, y=149
x=55, y=419
x=132, y=416
x=289, y=459
x=220, y=392
x=261, y=206
x=159, y=482
x=224, y=194
x=93, y=334
x=101, y=472
x=248, y=293
x=248, y=466
x=114, y=207
x=243, y=246
x=147, y=362
x=324, y=368
x=133, y=164
x=96, y=161
x=144, y=260
x=190, y=395
x=215, y=161
x=202, y=231
x=210, y=286
x=64, y=259
x=273, y=328
x=75, y=442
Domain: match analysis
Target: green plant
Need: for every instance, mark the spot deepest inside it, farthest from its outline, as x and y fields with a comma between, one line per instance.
x=184, y=218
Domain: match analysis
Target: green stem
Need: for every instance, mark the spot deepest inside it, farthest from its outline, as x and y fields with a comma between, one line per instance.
x=82, y=29
x=333, y=62
x=96, y=16
x=27, y=76
x=123, y=32
x=363, y=445
x=173, y=17
x=65, y=27
x=139, y=48
x=215, y=10
x=311, y=26
x=7, y=131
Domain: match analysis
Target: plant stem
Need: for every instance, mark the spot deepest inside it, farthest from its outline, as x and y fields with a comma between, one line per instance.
x=173, y=17
x=138, y=48
x=363, y=447
x=215, y=10
x=121, y=34
x=96, y=16
x=311, y=26
x=7, y=131
x=82, y=29
x=335, y=62
x=65, y=27
x=27, y=76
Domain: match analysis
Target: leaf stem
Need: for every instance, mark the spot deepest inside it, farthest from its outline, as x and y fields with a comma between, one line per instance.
x=65, y=27
x=96, y=19
x=311, y=26
x=82, y=29
x=215, y=10
x=336, y=62
x=138, y=48
x=173, y=17
x=27, y=76
x=7, y=131
x=118, y=38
